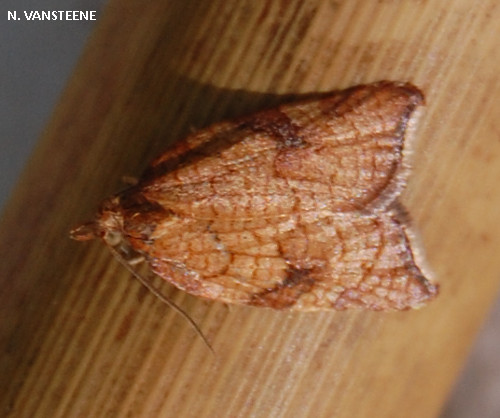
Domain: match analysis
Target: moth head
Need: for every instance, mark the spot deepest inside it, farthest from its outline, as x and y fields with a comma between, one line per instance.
x=108, y=224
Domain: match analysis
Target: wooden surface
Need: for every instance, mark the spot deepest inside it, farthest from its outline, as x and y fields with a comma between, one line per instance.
x=79, y=337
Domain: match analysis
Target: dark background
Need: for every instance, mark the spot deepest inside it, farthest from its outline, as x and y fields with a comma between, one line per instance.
x=36, y=59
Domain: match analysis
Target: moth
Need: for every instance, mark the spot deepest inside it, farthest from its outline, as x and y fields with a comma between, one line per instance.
x=293, y=207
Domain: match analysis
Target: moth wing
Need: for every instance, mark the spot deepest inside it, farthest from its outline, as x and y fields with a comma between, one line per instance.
x=303, y=262
x=341, y=153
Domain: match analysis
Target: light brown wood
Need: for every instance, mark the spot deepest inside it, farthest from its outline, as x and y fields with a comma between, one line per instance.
x=79, y=337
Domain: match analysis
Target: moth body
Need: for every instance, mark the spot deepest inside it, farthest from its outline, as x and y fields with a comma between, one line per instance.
x=293, y=207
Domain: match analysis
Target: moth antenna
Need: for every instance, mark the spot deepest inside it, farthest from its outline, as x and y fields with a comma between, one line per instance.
x=147, y=283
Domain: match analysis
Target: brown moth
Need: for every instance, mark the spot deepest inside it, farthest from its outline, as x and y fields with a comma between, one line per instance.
x=292, y=207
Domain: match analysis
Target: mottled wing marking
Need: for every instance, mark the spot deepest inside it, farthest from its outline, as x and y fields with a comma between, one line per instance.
x=308, y=262
x=300, y=157
x=288, y=208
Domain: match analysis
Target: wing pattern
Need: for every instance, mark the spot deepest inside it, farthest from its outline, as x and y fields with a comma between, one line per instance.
x=288, y=208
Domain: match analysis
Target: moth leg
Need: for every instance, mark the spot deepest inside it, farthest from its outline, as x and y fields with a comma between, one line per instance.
x=139, y=259
x=130, y=180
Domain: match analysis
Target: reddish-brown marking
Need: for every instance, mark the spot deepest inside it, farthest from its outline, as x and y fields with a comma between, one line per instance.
x=286, y=293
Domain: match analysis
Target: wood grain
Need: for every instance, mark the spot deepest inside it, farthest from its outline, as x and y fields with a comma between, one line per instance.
x=79, y=337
